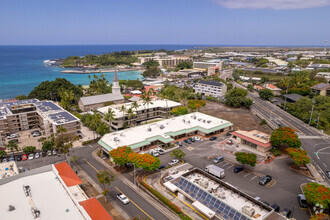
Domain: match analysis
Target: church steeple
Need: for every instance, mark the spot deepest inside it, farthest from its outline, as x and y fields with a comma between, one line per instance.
x=115, y=84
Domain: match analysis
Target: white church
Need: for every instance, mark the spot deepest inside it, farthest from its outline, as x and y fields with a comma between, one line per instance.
x=90, y=103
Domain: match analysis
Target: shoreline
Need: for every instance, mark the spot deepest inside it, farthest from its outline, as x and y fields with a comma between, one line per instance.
x=72, y=71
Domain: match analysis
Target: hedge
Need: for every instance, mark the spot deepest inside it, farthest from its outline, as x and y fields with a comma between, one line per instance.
x=165, y=200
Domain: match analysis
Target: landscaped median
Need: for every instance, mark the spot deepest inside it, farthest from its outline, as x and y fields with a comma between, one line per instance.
x=162, y=198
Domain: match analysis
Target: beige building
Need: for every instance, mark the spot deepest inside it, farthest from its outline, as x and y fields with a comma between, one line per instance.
x=255, y=139
x=34, y=114
x=322, y=89
x=211, y=88
x=166, y=61
x=90, y=103
x=157, y=109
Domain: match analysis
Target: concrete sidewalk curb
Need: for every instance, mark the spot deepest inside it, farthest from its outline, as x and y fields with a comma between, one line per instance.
x=139, y=191
x=98, y=188
x=317, y=176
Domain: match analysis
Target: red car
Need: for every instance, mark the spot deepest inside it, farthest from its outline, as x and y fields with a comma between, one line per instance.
x=24, y=157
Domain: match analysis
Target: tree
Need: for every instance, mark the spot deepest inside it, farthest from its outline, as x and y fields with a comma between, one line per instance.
x=12, y=146
x=320, y=216
x=21, y=97
x=110, y=116
x=285, y=135
x=195, y=104
x=29, y=149
x=151, y=63
x=67, y=97
x=266, y=94
x=74, y=159
x=178, y=154
x=184, y=65
x=105, y=179
x=144, y=161
x=130, y=115
x=2, y=153
x=62, y=140
x=246, y=158
x=120, y=155
x=250, y=87
x=181, y=110
x=99, y=85
x=237, y=98
x=317, y=193
x=123, y=109
x=299, y=156
x=151, y=72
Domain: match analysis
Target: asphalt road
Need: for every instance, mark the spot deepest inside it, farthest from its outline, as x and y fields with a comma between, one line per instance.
x=138, y=206
x=284, y=192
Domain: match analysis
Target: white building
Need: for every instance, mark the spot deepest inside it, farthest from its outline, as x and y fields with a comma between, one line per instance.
x=206, y=65
x=211, y=88
x=326, y=75
x=164, y=132
x=156, y=109
x=46, y=193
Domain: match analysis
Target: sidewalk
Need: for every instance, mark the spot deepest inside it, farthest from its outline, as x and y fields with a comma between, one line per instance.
x=157, y=204
x=317, y=176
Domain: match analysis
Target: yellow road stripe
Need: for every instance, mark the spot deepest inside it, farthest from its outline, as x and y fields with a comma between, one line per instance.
x=190, y=207
x=135, y=204
x=91, y=165
x=266, y=109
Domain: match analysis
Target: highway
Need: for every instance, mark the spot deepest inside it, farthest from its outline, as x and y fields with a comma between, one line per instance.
x=138, y=206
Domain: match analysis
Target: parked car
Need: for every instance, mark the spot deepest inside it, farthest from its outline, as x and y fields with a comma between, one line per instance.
x=24, y=157
x=161, y=167
x=191, y=139
x=286, y=213
x=230, y=142
x=258, y=199
x=197, y=138
x=154, y=153
x=54, y=152
x=128, y=165
x=229, y=133
x=276, y=207
x=123, y=198
x=264, y=180
x=12, y=158
x=37, y=155
x=186, y=141
x=302, y=201
x=327, y=173
x=4, y=160
x=266, y=203
x=31, y=156
x=161, y=151
x=213, y=138
x=36, y=134
x=13, y=140
x=43, y=154
x=15, y=135
x=18, y=158
x=218, y=159
x=179, y=143
x=49, y=153
x=173, y=162
x=238, y=169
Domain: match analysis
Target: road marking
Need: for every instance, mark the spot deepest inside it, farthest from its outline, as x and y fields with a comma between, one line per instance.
x=91, y=165
x=189, y=207
x=324, y=164
x=312, y=180
x=224, y=164
x=247, y=174
x=230, y=166
x=135, y=204
x=253, y=177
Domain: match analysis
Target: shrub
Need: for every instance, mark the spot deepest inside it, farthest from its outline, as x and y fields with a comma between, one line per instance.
x=317, y=193
x=263, y=122
x=88, y=142
x=276, y=152
x=29, y=149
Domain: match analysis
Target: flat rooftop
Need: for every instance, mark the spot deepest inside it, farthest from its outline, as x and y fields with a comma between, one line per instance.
x=47, y=109
x=163, y=130
x=8, y=169
x=155, y=104
x=48, y=196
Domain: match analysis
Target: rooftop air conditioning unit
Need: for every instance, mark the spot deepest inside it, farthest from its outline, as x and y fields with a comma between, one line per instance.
x=161, y=126
x=11, y=208
x=116, y=139
x=204, y=121
x=199, y=119
x=209, y=121
x=149, y=129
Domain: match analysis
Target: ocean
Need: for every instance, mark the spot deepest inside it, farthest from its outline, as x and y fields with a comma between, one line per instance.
x=22, y=67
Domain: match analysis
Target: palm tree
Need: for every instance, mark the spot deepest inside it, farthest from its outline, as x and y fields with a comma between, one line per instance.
x=123, y=109
x=12, y=146
x=136, y=106
x=110, y=116
x=130, y=114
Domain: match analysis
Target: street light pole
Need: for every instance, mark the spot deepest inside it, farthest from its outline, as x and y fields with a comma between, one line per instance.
x=310, y=118
x=134, y=174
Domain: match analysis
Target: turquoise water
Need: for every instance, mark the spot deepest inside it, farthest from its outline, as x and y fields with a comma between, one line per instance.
x=22, y=67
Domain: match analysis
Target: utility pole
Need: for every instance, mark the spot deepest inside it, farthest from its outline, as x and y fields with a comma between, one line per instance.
x=285, y=97
x=310, y=118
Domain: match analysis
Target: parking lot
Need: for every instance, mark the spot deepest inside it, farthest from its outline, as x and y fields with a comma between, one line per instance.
x=282, y=191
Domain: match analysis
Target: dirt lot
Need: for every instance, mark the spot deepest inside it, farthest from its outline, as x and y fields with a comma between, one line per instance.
x=241, y=118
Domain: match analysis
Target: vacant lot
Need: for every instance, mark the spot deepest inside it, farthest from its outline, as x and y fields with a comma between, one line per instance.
x=241, y=118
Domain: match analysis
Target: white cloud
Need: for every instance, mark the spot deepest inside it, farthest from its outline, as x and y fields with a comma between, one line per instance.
x=273, y=4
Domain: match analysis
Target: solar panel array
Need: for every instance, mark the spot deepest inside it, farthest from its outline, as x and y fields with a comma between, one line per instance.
x=62, y=117
x=47, y=106
x=210, y=201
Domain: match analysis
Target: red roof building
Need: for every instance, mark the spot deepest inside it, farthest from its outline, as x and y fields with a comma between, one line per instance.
x=69, y=177
x=95, y=210
x=255, y=139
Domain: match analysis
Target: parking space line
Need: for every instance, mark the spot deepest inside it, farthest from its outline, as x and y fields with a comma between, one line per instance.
x=253, y=177
x=229, y=166
x=247, y=174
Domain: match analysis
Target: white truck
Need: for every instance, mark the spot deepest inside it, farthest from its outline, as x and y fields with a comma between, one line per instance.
x=215, y=171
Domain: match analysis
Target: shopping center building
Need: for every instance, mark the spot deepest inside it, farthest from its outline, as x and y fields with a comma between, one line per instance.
x=164, y=132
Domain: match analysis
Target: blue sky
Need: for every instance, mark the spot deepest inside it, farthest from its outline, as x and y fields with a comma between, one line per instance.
x=216, y=22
